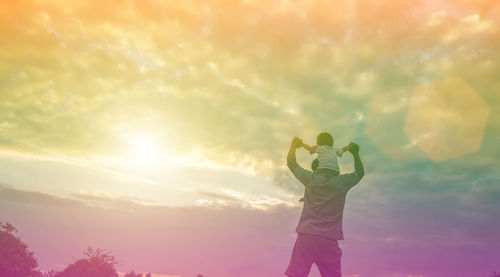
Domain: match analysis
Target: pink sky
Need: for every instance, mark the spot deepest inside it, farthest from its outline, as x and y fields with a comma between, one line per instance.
x=231, y=241
x=159, y=130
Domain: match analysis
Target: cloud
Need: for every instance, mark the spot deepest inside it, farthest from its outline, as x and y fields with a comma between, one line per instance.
x=221, y=196
x=152, y=238
x=225, y=240
x=208, y=92
x=233, y=91
x=225, y=88
x=10, y=193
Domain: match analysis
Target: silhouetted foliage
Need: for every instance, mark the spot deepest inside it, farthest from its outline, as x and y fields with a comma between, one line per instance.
x=100, y=256
x=495, y=274
x=15, y=259
x=199, y=275
x=133, y=274
x=99, y=263
x=51, y=273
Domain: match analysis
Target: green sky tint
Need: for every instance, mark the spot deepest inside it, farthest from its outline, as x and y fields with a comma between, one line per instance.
x=171, y=120
x=225, y=85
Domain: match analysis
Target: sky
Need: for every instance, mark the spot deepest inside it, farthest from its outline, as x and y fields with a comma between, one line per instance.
x=159, y=130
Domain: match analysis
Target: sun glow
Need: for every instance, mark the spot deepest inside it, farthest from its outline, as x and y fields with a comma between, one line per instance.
x=144, y=148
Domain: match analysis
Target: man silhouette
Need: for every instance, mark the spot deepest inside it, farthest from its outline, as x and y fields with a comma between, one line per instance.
x=320, y=224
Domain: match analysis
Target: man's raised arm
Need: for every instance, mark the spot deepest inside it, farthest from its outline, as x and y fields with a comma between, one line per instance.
x=358, y=164
x=304, y=176
x=291, y=160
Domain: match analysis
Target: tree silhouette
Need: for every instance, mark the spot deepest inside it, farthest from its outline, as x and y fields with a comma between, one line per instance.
x=51, y=273
x=99, y=263
x=100, y=256
x=133, y=274
x=495, y=274
x=15, y=259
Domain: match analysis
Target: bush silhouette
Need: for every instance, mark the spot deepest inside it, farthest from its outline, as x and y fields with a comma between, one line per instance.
x=15, y=259
x=99, y=263
x=133, y=274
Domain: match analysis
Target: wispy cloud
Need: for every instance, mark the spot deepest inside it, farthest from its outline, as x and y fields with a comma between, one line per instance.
x=221, y=90
x=213, y=238
x=239, y=105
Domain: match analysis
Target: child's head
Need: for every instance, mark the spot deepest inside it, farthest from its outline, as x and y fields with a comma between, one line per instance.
x=324, y=139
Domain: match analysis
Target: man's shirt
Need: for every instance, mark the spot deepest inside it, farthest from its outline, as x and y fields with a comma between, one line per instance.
x=324, y=201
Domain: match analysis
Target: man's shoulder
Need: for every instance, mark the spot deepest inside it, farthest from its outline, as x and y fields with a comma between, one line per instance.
x=348, y=179
x=303, y=175
x=297, y=169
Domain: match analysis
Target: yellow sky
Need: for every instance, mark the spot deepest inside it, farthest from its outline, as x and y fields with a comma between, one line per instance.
x=224, y=86
x=116, y=113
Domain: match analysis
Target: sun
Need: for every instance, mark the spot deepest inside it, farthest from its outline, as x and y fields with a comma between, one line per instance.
x=144, y=148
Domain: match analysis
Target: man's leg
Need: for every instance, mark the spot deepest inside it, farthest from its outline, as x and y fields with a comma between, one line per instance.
x=301, y=261
x=328, y=258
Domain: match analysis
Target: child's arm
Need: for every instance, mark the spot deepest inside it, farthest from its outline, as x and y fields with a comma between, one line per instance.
x=309, y=148
x=346, y=148
x=340, y=151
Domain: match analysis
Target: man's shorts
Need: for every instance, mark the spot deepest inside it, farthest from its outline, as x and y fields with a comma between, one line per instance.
x=309, y=249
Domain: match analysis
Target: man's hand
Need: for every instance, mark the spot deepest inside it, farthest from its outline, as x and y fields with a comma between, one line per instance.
x=291, y=161
x=296, y=142
x=358, y=164
x=353, y=148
